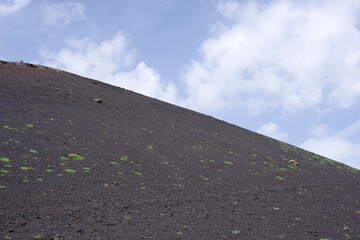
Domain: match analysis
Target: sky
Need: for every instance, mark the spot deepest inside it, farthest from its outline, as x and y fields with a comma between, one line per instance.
x=288, y=69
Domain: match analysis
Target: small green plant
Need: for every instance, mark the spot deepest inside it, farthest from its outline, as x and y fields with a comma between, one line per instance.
x=227, y=162
x=4, y=159
x=124, y=158
x=127, y=217
x=30, y=125
x=235, y=232
x=75, y=156
x=280, y=178
x=37, y=237
x=70, y=170
x=292, y=166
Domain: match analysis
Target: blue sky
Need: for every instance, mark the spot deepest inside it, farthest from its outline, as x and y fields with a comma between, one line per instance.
x=286, y=69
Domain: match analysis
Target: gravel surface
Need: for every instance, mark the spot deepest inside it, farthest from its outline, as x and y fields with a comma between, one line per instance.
x=81, y=159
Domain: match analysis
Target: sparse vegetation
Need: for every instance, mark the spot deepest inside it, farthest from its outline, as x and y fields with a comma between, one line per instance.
x=75, y=156
x=97, y=164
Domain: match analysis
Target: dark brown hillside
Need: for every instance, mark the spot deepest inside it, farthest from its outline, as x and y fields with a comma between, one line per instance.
x=133, y=167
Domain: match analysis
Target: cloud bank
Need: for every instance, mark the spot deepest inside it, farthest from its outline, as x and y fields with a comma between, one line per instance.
x=62, y=13
x=272, y=130
x=278, y=55
x=111, y=60
x=336, y=145
x=12, y=6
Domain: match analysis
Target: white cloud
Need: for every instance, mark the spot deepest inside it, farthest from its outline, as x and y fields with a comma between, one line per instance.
x=336, y=145
x=285, y=55
x=10, y=7
x=348, y=131
x=112, y=61
x=147, y=81
x=272, y=130
x=341, y=150
x=62, y=13
x=93, y=59
x=320, y=130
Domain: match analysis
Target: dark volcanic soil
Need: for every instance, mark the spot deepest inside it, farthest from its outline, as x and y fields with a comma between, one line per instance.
x=132, y=167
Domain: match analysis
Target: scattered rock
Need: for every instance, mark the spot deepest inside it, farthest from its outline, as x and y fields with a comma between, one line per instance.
x=346, y=228
x=294, y=162
x=109, y=185
x=98, y=100
x=31, y=65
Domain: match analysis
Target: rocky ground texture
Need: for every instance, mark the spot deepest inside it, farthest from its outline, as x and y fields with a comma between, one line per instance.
x=80, y=159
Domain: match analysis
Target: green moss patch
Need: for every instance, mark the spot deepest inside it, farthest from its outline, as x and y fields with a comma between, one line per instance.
x=4, y=159
x=75, y=156
x=227, y=162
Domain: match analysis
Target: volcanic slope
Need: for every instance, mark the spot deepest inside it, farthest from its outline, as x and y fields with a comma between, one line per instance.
x=133, y=167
